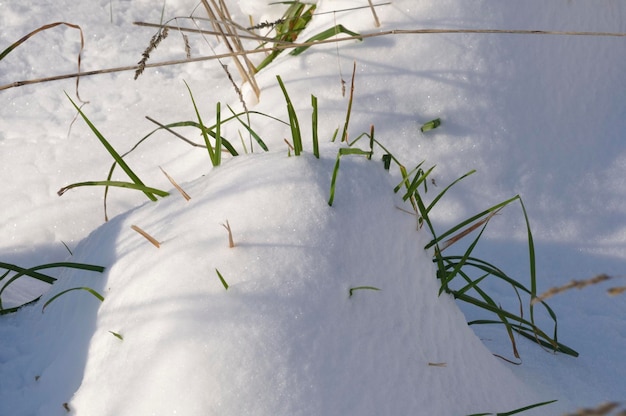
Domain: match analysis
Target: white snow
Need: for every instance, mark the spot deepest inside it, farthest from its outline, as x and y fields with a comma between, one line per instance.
x=542, y=116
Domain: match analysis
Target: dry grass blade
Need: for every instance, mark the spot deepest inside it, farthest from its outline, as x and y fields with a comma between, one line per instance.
x=376, y=21
x=602, y=410
x=465, y=232
x=46, y=27
x=437, y=364
x=173, y=182
x=146, y=236
x=614, y=291
x=221, y=20
x=231, y=242
x=574, y=284
x=288, y=45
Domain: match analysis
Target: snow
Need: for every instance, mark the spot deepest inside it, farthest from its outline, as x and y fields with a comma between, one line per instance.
x=542, y=116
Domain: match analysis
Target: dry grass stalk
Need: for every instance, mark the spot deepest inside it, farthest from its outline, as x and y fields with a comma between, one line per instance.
x=438, y=364
x=173, y=182
x=289, y=45
x=614, y=291
x=46, y=27
x=603, y=410
x=376, y=21
x=574, y=284
x=465, y=232
x=222, y=23
x=146, y=236
x=231, y=242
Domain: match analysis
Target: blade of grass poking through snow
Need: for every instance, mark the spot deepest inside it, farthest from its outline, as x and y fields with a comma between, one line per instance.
x=88, y=289
x=326, y=34
x=342, y=152
x=431, y=125
x=117, y=335
x=253, y=133
x=296, y=135
x=218, y=137
x=352, y=289
x=117, y=184
x=531, y=260
x=516, y=411
x=316, y=147
x=344, y=134
x=222, y=279
x=203, y=129
x=113, y=152
x=293, y=21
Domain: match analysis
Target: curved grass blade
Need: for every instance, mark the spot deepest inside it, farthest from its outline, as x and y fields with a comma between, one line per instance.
x=112, y=151
x=33, y=273
x=326, y=34
x=342, y=152
x=207, y=143
x=352, y=289
x=254, y=134
x=118, y=184
x=88, y=289
x=296, y=135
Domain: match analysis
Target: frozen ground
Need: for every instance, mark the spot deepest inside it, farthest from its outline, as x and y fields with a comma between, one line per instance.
x=539, y=116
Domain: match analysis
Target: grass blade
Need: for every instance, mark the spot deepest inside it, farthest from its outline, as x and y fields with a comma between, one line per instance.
x=33, y=273
x=343, y=151
x=222, y=279
x=326, y=34
x=113, y=152
x=352, y=289
x=316, y=149
x=118, y=184
x=296, y=135
x=207, y=142
x=88, y=289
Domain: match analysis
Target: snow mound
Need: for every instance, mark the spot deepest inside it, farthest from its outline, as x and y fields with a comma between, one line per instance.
x=287, y=337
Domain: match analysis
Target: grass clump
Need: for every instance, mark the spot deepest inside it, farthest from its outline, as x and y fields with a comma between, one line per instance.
x=14, y=272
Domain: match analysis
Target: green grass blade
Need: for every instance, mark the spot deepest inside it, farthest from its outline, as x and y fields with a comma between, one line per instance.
x=296, y=135
x=531, y=260
x=203, y=129
x=222, y=279
x=218, y=137
x=352, y=289
x=326, y=34
x=316, y=148
x=88, y=289
x=516, y=411
x=112, y=151
x=470, y=220
x=33, y=273
x=432, y=124
x=118, y=184
x=342, y=152
x=442, y=193
x=254, y=134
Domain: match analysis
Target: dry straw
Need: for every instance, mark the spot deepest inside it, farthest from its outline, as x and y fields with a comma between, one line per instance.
x=236, y=50
x=579, y=284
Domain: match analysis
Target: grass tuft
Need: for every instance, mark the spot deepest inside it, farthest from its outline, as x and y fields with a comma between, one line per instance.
x=138, y=184
x=34, y=273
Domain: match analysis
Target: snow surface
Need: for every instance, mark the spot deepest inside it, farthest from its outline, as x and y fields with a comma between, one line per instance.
x=536, y=115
